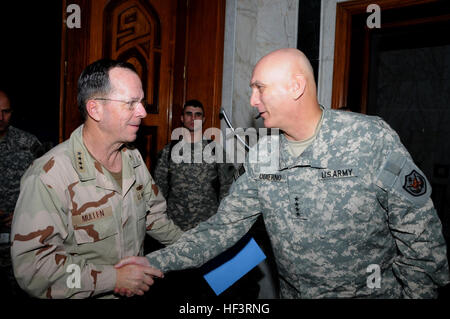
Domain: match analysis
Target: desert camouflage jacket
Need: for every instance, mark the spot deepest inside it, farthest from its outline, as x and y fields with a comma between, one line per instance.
x=72, y=215
x=350, y=217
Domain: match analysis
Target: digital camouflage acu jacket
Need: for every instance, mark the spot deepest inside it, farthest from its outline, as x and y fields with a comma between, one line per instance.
x=352, y=207
x=18, y=149
x=193, y=190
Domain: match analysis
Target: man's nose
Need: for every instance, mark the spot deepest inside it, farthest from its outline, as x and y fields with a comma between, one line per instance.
x=140, y=111
x=254, y=98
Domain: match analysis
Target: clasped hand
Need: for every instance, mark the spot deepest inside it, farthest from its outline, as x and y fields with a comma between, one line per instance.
x=135, y=276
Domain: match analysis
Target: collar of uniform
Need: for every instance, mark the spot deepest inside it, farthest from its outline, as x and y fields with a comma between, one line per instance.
x=85, y=165
x=130, y=160
x=81, y=160
x=315, y=154
x=134, y=158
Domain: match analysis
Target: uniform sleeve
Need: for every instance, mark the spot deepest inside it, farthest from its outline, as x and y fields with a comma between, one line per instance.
x=421, y=264
x=226, y=174
x=161, y=173
x=235, y=216
x=159, y=225
x=42, y=266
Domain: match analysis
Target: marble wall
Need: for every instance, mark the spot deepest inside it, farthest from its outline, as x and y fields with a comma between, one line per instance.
x=253, y=28
x=326, y=54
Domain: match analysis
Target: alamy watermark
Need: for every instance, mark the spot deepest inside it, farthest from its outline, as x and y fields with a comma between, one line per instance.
x=374, y=279
x=74, y=279
x=373, y=20
x=74, y=18
x=226, y=150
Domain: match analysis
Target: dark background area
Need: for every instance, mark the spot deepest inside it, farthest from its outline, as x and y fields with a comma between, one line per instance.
x=309, y=31
x=30, y=51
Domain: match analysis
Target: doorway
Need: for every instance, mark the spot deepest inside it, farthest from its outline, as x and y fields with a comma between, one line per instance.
x=401, y=72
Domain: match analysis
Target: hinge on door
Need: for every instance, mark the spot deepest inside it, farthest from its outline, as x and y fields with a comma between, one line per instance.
x=65, y=68
x=184, y=72
x=187, y=3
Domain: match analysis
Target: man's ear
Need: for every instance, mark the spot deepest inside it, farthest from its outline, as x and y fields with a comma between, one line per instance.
x=298, y=86
x=182, y=118
x=94, y=110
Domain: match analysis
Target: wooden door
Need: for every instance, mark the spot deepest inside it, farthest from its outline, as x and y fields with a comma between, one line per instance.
x=176, y=46
x=199, y=58
x=141, y=32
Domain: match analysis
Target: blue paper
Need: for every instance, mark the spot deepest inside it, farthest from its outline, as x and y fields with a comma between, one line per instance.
x=232, y=270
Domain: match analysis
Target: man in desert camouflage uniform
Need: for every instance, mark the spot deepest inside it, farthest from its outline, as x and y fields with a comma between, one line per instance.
x=348, y=212
x=89, y=201
x=193, y=189
x=18, y=149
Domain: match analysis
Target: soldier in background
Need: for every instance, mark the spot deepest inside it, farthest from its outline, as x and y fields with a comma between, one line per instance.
x=18, y=149
x=193, y=191
x=90, y=201
x=348, y=212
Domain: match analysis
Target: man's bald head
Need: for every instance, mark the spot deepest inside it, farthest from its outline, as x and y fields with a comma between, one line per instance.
x=288, y=60
x=284, y=92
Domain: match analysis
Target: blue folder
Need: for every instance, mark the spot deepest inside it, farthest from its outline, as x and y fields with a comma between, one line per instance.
x=232, y=270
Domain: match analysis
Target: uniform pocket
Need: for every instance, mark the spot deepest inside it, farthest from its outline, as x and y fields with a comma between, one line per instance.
x=349, y=204
x=94, y=226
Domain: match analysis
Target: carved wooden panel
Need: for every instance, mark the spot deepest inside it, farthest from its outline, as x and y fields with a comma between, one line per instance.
x=133, y=34
x=132, y=31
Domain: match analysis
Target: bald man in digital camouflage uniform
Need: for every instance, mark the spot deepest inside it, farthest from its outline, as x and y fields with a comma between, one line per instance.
x=348, y=212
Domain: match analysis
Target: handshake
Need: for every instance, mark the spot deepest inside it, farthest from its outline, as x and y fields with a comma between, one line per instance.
x=135, y=276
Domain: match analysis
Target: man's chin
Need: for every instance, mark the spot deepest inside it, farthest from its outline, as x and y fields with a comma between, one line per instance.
x=267, y=123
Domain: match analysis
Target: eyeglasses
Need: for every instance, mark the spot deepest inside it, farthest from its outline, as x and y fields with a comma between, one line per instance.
x=132, y=105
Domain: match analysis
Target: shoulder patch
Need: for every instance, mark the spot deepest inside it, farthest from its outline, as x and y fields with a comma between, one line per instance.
x=415, y=184
x=399, y=174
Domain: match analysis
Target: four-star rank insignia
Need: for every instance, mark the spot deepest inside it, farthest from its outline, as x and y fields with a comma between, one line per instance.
x=415, y=184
